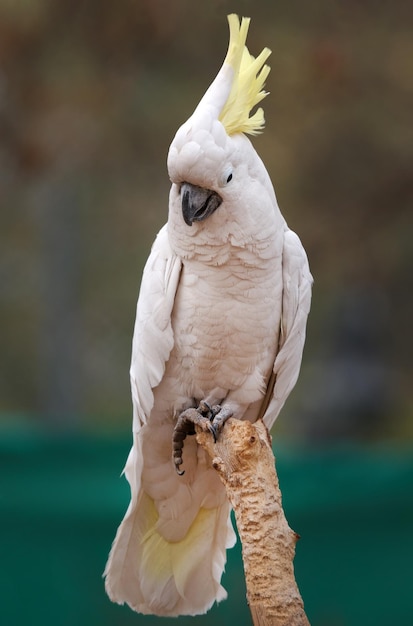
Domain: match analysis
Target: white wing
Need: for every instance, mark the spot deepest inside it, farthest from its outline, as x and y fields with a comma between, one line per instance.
x=153, y=336
x=152, y=344
x=297, y=282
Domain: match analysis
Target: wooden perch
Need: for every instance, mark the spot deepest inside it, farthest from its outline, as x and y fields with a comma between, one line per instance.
x=244, y=459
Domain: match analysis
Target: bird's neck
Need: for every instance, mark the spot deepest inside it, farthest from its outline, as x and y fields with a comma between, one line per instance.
x=248, y=245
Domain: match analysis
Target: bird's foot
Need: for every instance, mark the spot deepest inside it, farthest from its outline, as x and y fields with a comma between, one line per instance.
x=185, y=425
x=209, y=418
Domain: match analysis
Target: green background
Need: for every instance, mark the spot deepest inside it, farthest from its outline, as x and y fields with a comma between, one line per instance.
x=62, y=499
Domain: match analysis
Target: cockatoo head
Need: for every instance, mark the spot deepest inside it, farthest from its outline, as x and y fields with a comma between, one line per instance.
x=218, y=180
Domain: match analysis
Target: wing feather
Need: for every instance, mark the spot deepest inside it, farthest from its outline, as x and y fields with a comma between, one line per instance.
x=296, y=300
x=152, y=343
x=153, y=335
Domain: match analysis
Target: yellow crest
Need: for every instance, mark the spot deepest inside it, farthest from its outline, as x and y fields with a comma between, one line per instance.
x=247, y=88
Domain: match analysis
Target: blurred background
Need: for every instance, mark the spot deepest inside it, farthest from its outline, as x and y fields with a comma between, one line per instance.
x=91, y=94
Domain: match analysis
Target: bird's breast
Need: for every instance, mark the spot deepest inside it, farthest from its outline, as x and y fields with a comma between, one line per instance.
x=225, y=322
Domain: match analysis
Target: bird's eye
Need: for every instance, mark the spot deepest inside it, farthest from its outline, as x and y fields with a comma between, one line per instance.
x=226, y=177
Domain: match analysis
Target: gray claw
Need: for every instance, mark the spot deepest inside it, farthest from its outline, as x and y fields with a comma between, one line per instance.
x=213, y=431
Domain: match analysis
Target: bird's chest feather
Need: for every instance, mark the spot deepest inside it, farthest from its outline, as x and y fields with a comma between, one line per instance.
x=225, y=322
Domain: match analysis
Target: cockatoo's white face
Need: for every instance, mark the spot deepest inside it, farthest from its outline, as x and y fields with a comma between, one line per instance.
x=220, y=186
x=203, y=157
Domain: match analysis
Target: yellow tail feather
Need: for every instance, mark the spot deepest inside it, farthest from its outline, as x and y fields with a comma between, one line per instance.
x=182, y=577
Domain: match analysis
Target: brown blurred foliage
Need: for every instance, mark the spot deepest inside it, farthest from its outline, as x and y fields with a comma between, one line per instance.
x=91, y=94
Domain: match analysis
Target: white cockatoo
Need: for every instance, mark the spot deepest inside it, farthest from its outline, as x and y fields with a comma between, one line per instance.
x=220, y=327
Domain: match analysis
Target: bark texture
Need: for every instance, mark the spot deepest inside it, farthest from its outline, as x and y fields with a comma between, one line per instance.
x=244, y=459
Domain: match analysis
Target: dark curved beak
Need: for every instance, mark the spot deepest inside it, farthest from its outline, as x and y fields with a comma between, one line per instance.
x=198, y=203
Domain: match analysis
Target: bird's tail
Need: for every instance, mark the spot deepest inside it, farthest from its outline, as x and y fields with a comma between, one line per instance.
x=169, y=555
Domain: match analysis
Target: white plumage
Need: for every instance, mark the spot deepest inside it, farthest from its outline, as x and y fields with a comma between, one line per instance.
x=221, y=317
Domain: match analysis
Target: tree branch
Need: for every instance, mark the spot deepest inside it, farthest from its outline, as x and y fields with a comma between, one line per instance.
x=244, y=459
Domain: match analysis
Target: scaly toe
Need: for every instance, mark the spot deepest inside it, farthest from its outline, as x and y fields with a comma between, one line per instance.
x=219, y=420
x=205, y=409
